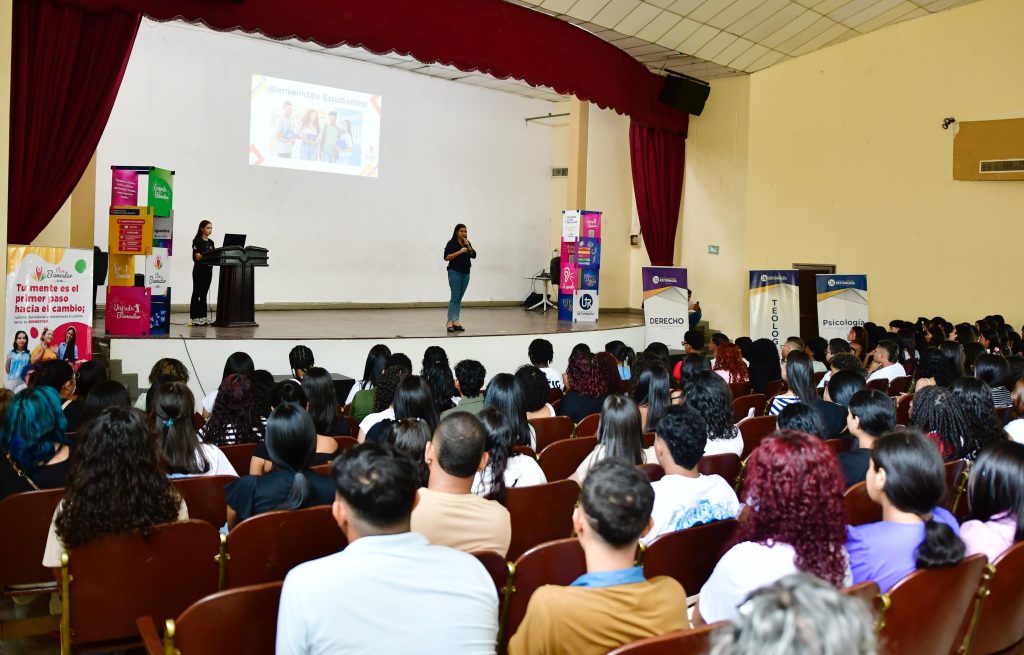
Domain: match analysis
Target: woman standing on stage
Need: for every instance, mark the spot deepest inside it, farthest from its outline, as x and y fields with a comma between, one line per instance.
x=457, y=252
x=202, y=274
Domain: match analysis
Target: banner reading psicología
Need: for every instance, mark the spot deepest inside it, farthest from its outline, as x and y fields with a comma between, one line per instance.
x=774, y=305
x=49, y=307
x=666, y=305
x=842, y=304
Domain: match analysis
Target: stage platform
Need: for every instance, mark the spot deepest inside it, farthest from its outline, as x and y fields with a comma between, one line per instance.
x=340, y=338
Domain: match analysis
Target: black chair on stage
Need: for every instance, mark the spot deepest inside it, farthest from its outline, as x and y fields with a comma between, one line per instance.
x=236, y=296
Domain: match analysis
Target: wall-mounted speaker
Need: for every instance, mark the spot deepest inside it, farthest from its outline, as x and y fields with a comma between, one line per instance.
x=685, y=93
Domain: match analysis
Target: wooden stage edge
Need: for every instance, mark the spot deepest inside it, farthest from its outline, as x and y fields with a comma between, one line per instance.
x=404, y=323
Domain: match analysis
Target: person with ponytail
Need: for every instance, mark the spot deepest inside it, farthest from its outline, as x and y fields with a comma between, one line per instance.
x=505, y=467
x=907, y=478
x=184, y=455
x=995, y=495
x=291, y=444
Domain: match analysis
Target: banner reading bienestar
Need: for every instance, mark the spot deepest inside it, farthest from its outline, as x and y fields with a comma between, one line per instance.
x=774, y=305
x=666, y=305
x=842, y=304
x=49, y=307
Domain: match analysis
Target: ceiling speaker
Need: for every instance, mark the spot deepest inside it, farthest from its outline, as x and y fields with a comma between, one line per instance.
x=685, y=93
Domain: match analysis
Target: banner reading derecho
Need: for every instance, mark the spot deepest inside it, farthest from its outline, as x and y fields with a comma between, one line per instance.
x=774, y=305
x=666, y=305
x=842, y=304
x=49, y=307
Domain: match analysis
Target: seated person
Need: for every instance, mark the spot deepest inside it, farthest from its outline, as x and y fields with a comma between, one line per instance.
x=535, y=392
x=300, y=360
x=587, y=388
x=113, y=452
x=799, y=376
x=290, y=391
x=618, y=436
x=291, y=445
x=871, y=414
x=832, y=408
x=836, y=347
x=709, y=397
x=907, y=478
x=541, y=354
x=886, y=362
x=469, y=382
x=506, y=468
x=35, y=452
x=400, y=589
x=996, y=490
x=802, y=418
x=693, y=344
x=791, y=344
x=684, y=497
x=612, y=604
x=448, y=514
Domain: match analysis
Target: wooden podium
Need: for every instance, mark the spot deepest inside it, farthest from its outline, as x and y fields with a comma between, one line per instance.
x=236, y=288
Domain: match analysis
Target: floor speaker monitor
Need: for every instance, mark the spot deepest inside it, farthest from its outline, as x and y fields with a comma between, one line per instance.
x=685, y=93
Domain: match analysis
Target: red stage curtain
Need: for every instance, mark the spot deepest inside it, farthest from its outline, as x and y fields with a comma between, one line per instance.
x=491, y=36
x=657, y=157
x=66, y=68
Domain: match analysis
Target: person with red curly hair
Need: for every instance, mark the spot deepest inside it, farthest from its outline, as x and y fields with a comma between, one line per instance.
x=794, y=490
x=729, y=364
x=587, y=388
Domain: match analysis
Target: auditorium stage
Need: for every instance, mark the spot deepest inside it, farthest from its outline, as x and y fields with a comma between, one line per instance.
x=340, y=339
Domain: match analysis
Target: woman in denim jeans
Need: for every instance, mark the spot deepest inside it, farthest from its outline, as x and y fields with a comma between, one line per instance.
x=458, y=252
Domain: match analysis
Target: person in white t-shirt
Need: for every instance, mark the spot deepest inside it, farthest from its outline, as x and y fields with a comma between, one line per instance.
x=619, y=435
x=505, y=467
x=794, y=489
x=541, y=352
x=684, y=497
x=709, y=397
x=183, y=453
x=886, y=364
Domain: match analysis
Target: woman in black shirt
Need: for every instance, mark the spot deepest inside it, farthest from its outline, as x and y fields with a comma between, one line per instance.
x=458, y=252
x=202, y=274
x=34, y=448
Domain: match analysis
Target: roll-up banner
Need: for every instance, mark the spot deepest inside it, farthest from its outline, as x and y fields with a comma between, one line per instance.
x=774, y=305
x=842, y=304
x=666, y=305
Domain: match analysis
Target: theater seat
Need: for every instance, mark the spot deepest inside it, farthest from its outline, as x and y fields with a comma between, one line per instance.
x=551, y=429
x=562, y=458
x=742, y=405
x=556, y=562
x=860, y=509
x=680, y=642
x=689, y=556
x=539, y=513
x=588, y=426
x=204, y=497
x=1001, y=623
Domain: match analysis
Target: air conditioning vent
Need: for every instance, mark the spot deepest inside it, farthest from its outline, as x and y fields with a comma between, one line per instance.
x=1001, y=166
x=559, y=172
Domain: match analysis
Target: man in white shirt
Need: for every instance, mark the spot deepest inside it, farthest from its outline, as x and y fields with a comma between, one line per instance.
x=389, y=591
x=685, y=497
x=886, y=364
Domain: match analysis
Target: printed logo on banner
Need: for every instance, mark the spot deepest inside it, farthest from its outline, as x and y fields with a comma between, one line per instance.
x=842, y=303
x=666, y=315
x=161, y=192
x=588, y=278
x=128, y=311
x=774, y=305
x=157, y=277
x=585, y=306
x=565, y=306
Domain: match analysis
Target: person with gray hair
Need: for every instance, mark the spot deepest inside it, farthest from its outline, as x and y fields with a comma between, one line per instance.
x=798, y=615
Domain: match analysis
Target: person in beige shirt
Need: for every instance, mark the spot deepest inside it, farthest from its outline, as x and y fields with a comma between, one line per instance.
x=448, y=514
x=611, y=604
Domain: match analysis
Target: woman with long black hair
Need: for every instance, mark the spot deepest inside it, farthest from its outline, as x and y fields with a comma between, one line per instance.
x=202, y=274
x=458, y=252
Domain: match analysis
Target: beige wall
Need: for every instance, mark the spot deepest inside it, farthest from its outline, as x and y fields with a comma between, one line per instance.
x=848, y=164
x=715, y=205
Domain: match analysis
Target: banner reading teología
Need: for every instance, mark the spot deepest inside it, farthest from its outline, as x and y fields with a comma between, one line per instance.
x=666, y=305
x=49, y=307
x=774, y=305
x=842, y=304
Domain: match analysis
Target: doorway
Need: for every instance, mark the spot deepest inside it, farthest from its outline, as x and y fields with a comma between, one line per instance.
x=809, y=296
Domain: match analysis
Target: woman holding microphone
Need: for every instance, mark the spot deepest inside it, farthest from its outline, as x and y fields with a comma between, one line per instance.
x=458, y=252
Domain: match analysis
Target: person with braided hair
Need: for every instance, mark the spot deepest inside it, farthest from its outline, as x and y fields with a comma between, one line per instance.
x=938, y=415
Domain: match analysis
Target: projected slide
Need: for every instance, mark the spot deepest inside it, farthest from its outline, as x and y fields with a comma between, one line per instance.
x=313, y=128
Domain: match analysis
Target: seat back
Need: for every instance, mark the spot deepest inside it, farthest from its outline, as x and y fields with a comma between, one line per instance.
x=344, y=443
x=773, y=388
x=727, y=465
x=839, y=445
x=239, y=455
x=688, y=555
x=588, y=426
x=903, y=409
x=556, y=562
x=754, y=430
x=739, y=389
x=525, y=450
x=916, y=624
x=648, y=439
x=871, y=595
x=21, y=558
x=540, y=513
x=955, y=470
x=242, y=620
x=1001, y=624
x=552, y=429
x=265, y=547
x=353, y=425
x=898, y=385
x=562, y=458
x=654, y=472
x=693, y=641
x=554, y=395
x=742, y=405
x=818, y=377
x=860, y=509
x=879, y=384
x=111, y=581
x=204, y=497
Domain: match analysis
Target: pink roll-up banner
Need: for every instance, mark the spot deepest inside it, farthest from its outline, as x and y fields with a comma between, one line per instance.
x=124, y=187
